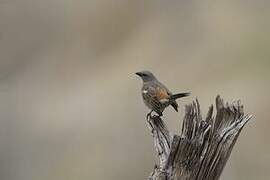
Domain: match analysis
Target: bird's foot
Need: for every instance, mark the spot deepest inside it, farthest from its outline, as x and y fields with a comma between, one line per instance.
x=160, y=114
x=157, y=115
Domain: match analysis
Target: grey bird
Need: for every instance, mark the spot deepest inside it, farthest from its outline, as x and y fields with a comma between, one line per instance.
x=155, y=95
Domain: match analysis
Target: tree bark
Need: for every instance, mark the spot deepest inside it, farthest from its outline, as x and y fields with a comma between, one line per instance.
x=203, y=147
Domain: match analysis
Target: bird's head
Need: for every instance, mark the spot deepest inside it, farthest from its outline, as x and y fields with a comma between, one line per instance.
x=146, y=76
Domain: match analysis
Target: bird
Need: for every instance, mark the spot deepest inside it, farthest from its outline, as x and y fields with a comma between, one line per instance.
x=157, y=96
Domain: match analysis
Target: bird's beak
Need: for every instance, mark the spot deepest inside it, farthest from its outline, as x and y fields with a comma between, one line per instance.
x=138, y=73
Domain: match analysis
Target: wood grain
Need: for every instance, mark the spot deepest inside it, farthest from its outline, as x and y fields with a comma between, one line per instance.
x=203, y=147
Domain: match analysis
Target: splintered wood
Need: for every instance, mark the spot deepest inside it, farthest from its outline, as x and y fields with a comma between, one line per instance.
x=203, y=147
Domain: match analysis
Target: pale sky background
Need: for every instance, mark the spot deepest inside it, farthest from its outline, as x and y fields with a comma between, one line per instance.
x=70, y=106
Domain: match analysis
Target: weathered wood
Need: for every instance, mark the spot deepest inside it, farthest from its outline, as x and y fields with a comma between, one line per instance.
x=203, y=147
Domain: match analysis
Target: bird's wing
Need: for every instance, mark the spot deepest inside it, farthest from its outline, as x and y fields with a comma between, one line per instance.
x=163, y=91
x=173, y=103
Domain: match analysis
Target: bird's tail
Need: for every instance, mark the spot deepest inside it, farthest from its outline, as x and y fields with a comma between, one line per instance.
x=176, y=96
x=179, y=95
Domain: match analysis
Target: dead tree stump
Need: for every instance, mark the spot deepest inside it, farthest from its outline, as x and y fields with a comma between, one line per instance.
x=202, y=149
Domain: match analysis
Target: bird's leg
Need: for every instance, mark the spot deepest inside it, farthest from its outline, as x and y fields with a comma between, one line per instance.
x=149, y=115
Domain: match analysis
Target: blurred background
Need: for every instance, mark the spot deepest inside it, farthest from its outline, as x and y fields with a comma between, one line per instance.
x=70, y=104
